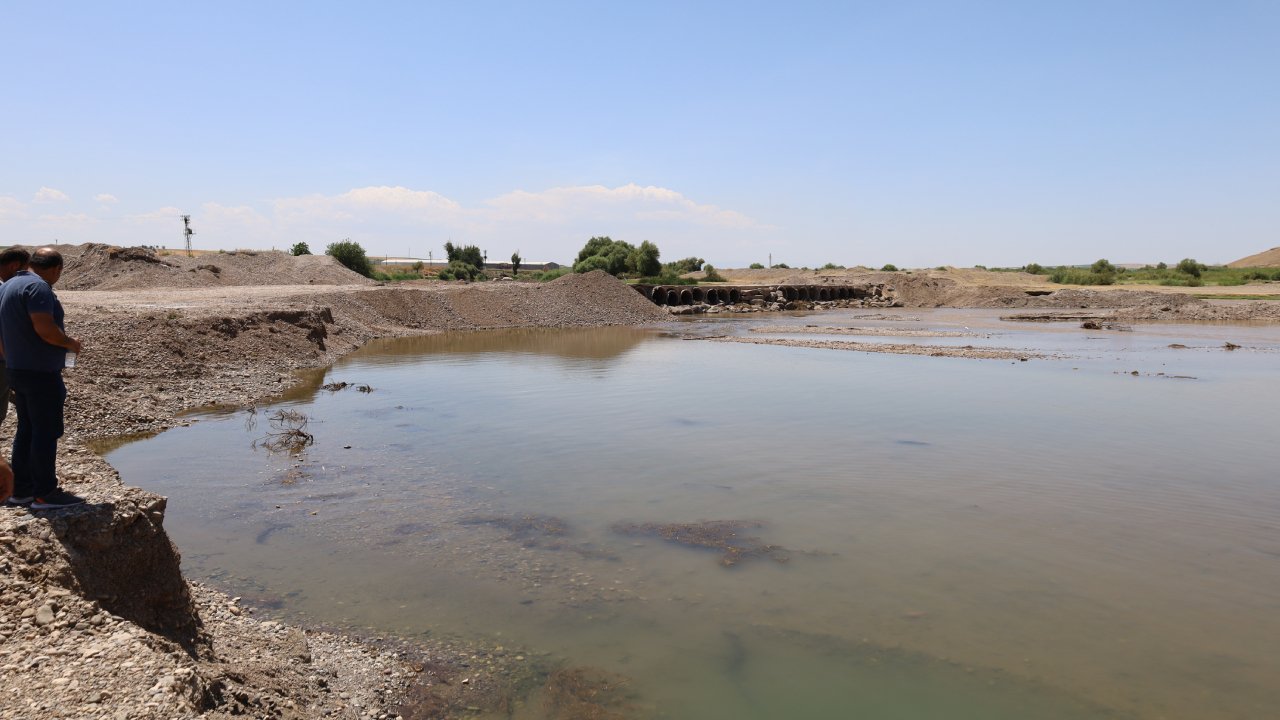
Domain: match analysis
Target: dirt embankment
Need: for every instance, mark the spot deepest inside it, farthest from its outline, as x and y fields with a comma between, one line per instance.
x=96, y=620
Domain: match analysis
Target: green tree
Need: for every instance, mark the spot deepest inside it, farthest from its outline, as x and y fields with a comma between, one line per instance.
x=756, y=266
x=469, y=254
x=1034, y=269
x=604, y=253
x=643, y=261
x=711, y=275
x=687, y=265
x=1190, y=267
x=351, y=255
x=1103, y=267
x=515, y=263
x=299, y=249
x=889, y=267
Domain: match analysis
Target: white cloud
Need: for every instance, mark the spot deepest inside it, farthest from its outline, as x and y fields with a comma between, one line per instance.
x=549, y=224
x=49, y=195
x=359, y=202
x=164, y=214
x=567, y=204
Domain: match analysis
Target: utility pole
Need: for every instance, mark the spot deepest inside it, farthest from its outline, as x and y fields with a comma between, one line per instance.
x=187, y=232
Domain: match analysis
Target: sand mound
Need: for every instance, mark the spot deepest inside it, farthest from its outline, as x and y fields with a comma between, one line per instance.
x=94, y=266
x=1267, y=258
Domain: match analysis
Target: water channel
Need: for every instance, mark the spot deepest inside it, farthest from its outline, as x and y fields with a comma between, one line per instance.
x=1091, y=535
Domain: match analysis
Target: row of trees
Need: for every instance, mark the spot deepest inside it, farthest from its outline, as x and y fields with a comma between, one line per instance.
x=466, y=262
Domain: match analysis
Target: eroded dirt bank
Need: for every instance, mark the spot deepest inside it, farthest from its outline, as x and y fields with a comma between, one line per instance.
x=96, y=620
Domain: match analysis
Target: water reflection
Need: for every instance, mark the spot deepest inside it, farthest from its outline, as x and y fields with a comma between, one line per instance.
x=592, y=345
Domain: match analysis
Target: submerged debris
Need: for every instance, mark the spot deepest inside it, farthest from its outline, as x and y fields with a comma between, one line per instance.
x=722, y=535
x=580, y=693
x=336, y=386
x=539, y=531
x=528, y=530
x=287, y=434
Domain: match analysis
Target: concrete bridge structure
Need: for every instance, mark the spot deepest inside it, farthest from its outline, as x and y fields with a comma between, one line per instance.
x=733, y=294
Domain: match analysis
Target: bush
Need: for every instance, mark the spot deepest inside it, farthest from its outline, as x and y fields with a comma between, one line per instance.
x=1034, y=269
x=299, y=249
x=1103, y=267
x=832, y=266
x=1188, y=266
x=351, y=255
x=550, y=275
x=1161, y=266
x=459, y=270
x=756, y=266
x=1077, y=276
x=889, y=267
x=782, y=266
x=515, y=263
x=711, y=274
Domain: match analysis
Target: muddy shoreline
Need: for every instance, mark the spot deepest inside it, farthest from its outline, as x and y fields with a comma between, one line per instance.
x=97, y=621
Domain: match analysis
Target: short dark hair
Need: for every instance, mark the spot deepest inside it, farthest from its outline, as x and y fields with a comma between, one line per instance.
x=15, y=254
x=45, y=258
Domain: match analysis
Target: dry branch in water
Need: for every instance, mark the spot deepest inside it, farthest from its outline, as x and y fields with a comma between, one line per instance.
x=287, y=434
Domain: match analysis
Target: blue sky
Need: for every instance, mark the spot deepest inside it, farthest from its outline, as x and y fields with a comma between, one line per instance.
x=914, y=133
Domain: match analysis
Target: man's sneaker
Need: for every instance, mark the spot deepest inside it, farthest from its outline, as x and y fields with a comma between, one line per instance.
x=19, y=501
x=56, y=499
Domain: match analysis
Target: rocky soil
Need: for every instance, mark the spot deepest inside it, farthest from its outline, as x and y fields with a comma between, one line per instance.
x=95, y=618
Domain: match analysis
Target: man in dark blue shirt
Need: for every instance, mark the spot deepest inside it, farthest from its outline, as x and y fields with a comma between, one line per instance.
x=35, y=347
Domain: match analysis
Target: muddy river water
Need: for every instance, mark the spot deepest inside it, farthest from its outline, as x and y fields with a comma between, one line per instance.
x=1094, y=534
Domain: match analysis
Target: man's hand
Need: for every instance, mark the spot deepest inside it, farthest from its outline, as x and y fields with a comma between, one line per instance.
x=49, y=331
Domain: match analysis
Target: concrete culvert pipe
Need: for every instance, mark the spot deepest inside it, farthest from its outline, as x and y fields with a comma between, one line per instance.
x=824, y=294
x=659, y=295
x=686, y=297
x=673, y=297
x=712, y=296
x=699, y=294
x=735, y=295
x=790, y=293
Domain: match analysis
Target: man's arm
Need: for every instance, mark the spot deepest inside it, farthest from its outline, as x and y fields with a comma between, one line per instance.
x=49, y=331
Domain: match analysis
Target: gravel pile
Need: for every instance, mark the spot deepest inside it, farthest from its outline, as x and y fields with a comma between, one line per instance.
x=94, y=266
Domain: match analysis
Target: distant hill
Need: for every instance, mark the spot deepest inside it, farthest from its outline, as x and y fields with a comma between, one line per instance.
x=1267, y=258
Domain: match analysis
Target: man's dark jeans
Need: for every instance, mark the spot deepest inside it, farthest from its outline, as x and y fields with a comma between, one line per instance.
x=38, y=398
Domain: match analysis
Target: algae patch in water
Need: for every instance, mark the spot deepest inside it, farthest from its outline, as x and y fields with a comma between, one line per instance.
x=580, y=693
x=723, y=535
x=527, y=529
x=539, y=531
